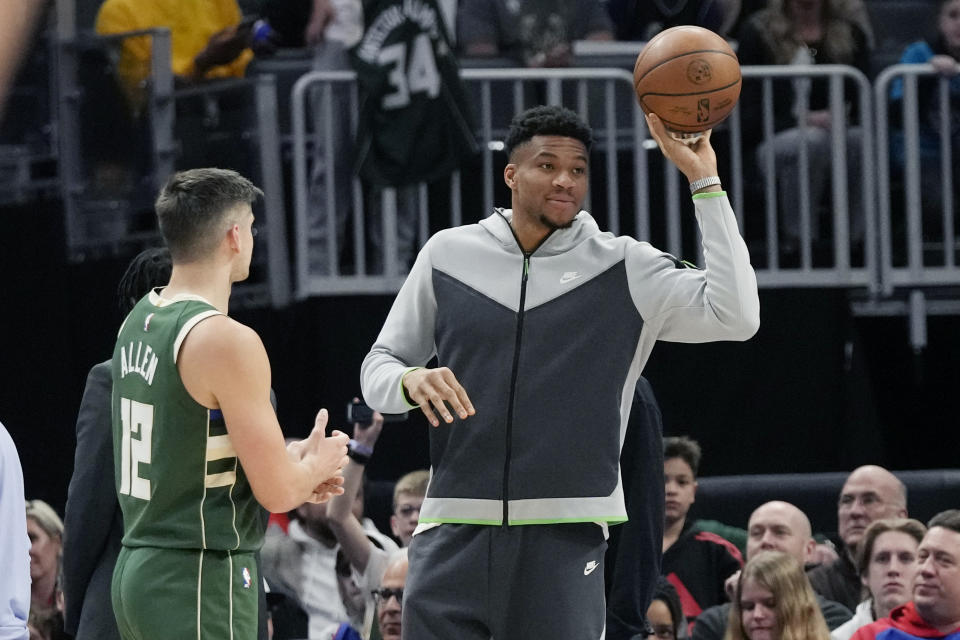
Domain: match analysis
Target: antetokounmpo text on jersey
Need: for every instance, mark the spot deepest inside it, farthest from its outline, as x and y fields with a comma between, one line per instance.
x=417, y=11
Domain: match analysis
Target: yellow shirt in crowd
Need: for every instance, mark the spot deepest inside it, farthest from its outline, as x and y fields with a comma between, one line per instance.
x=191, y=23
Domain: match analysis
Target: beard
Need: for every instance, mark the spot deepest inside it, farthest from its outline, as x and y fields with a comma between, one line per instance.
x=553, y=226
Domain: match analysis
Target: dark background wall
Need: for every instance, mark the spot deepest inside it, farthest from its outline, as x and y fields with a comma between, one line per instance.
x=815, y=390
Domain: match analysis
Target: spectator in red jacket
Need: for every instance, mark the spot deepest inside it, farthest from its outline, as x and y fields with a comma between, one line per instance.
x=935, y=610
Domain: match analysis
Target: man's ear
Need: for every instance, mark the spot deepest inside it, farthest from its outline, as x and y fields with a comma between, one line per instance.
x=233, y=237
x=510, y=175
x=808, y=550
x=394, y=526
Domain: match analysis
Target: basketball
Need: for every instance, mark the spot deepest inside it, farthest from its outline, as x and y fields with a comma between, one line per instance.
x=689, y=76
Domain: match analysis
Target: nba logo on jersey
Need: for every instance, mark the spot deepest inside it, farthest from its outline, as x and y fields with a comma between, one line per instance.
x=246, y=578
x=146, y=323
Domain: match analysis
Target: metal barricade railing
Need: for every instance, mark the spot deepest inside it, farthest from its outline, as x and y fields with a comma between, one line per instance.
x=603, y=97
x=28, y=132
x=842, y=259
x=620, y=134
x=99, y=220
x=105, y=216
x=626, y=195
x=918, y=234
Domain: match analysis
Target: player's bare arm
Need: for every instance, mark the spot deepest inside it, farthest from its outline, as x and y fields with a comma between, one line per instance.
x=224, y=366
x=434, y=389
x=695, y=159
x=296, y=450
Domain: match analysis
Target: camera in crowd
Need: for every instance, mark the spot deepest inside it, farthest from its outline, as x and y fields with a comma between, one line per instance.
x=359, y=413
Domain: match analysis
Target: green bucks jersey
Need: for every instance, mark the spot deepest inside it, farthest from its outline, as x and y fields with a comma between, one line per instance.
x=178, y=478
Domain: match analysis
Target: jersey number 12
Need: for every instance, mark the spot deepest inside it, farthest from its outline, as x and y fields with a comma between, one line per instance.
x=137, y=420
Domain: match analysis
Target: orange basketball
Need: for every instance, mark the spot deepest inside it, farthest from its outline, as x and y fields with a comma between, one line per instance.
x=689, y=76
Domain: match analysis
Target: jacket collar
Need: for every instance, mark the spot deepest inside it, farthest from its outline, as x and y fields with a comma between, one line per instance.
x=560, y=241
x=906, y=618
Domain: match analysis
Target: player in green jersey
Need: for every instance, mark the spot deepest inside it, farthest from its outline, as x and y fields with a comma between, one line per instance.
x=196, y=441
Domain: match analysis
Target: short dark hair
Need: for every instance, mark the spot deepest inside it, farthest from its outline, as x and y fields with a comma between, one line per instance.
x=546, y=121
x=150, y=268
x=913, y=528
x=949, y=519
x=193, y=205
x=685, y=448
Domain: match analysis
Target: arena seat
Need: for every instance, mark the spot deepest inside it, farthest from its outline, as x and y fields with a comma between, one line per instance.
x=731, y=499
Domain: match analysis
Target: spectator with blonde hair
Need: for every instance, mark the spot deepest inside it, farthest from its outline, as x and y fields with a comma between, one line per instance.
x=934, y=611
x=774, y=601
x=887, y=560
x=45, y=530
x=773, y=526
x=408, y=495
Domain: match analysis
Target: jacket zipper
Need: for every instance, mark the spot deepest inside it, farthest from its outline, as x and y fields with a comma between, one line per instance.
x=516, y=365
x=513, y=389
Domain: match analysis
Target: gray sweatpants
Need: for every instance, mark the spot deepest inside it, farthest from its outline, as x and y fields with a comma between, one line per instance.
x=476, y=582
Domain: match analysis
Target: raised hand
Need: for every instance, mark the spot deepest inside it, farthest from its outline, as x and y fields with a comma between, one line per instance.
x=695, y=159
x=433, y=389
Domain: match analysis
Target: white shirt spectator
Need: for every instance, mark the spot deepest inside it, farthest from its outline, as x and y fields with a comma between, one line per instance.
x=14, y=544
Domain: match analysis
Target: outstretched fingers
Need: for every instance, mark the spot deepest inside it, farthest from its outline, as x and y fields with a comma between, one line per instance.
x=434, y=390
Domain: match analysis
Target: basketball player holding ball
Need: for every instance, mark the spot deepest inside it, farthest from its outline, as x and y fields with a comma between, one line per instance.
x=540, y=324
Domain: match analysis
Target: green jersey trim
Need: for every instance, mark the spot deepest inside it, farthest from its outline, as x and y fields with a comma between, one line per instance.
x=495, y=523
x=157, y=300
x=187, y=326
x=710, y=194
x=606, y=519
x=513, y=523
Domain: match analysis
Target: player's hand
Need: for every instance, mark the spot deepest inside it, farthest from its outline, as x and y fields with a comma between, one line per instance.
x=299, y=448
x=434, y=389
x=295, y=450
x=326, y=490
x=328, y=453
x=695, y=159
